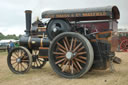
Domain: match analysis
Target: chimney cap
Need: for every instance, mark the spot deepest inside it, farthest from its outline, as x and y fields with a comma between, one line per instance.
x=28, y=11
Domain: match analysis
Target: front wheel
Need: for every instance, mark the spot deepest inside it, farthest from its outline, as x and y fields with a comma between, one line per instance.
x=19, y=60
x=71, y=55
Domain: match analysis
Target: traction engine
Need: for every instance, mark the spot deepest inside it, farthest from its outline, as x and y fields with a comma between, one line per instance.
x=73, y=41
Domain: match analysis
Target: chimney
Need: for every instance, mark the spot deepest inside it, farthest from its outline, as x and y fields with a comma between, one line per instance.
x=28, y=15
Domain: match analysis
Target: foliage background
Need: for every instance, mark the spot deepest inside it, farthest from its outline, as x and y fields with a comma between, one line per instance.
x=13, y=36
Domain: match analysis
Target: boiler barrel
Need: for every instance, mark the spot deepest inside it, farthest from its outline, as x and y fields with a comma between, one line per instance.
x=34, y=42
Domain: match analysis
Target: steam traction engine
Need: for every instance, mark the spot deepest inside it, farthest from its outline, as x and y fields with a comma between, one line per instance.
x=73, y=41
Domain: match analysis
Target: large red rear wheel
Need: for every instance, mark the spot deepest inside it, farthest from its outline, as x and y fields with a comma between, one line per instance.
x=71, y=55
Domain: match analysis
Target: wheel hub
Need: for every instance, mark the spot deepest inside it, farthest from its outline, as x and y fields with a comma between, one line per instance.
x=69, y=55
x=18, y=60
x=54, y=29
x=35, y=57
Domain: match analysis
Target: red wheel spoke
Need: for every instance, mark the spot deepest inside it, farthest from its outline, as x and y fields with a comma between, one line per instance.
x=80, y=60
x=81, y=53
x=63, y=62
x=69, y=66
x=79, y=65
x=74, y=45
x=60, y=57
x=71, y=44
x=60, y=61
x=61, y=50
x=82, y=57
x=77, y=47
x=67, y=41
x=61, y=46
x=75, y=66
x=58, y=53
x=65, y=45
x=123, y=45
x=72, y=69
x=81, y=49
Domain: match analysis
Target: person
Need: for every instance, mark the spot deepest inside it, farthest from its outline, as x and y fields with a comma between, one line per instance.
x=8, y=47
x=16, y=44
x=12, y=45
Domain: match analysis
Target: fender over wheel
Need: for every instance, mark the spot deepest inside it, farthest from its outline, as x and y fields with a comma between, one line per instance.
x=37, y=62
x=71, y=55
x=19, y=60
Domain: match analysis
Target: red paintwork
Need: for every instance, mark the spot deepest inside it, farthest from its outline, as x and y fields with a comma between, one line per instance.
x=122, y=40
x=124, y=45
x=96, y=27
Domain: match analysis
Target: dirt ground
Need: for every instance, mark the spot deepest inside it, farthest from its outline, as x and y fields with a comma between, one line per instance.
x=46, y=76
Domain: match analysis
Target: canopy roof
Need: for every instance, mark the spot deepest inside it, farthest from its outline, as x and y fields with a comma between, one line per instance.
x=99, y=13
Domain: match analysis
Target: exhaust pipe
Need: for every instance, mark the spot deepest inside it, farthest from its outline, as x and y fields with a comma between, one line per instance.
x=28, y=15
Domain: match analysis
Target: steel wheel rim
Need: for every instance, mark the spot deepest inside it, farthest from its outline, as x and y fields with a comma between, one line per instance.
x=19, y=60
x=79, y=63
x=37, y=62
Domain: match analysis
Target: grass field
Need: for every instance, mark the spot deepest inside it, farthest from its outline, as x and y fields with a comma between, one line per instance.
x=46, y=76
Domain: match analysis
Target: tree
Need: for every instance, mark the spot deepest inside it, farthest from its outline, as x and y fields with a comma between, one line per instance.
x=2, y=36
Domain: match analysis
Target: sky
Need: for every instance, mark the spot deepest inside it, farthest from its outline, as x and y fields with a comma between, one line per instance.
x=12, y=17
